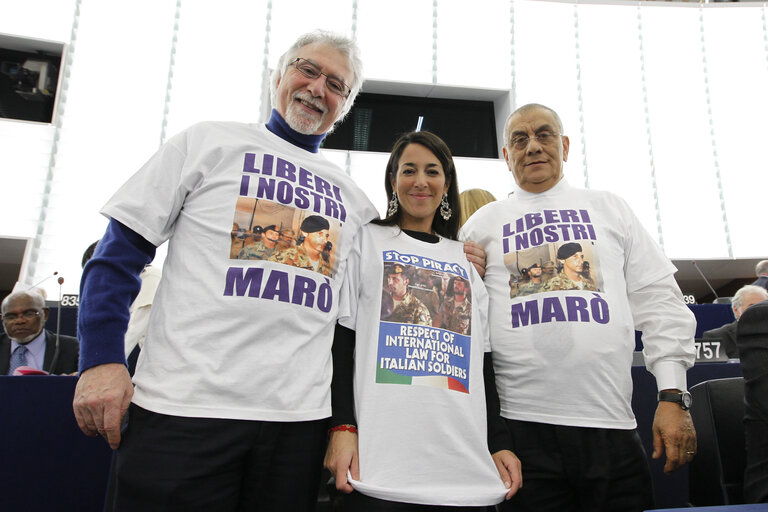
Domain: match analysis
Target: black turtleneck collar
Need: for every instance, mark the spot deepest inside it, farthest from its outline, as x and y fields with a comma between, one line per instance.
x=279, y=127
x=420, y=235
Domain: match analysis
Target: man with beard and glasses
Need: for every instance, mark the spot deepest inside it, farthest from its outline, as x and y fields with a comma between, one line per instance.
x=230, y=400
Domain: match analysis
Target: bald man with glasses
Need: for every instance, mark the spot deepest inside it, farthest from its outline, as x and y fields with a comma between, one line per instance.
x=563, y=353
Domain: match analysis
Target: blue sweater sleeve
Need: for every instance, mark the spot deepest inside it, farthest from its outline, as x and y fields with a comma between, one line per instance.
x=108, y=286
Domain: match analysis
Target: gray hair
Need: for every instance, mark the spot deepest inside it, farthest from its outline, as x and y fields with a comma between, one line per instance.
x=761, y=268
x=342, y=44
x=527, y=108
x=34, y=294
x=738, y=297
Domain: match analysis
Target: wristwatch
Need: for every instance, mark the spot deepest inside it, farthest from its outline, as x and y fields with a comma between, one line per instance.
x=682, y=398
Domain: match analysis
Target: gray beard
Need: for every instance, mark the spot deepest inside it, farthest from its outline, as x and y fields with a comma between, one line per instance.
x=301, y=124
x=298, y=121
x=25, y=340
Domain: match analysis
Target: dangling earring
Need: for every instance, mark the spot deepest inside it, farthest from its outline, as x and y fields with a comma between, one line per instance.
x=445, y=208
x=392, y=205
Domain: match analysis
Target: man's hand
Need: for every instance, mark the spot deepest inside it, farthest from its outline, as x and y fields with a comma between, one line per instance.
x=475, y=255
x=674, y=434
x=342, y=455
x=102, y=396
x=509, y=468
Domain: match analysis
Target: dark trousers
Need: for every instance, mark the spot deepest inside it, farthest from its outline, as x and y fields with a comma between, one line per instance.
x=756, y=473
x=358, y=502
x=170, y=463
x=579, y=469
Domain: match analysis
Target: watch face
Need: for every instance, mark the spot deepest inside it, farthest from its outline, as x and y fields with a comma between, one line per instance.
x=687, y=400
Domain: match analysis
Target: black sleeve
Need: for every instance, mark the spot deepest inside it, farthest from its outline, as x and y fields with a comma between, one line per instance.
x=498, y=435
x=342, y=390
x=753, y=352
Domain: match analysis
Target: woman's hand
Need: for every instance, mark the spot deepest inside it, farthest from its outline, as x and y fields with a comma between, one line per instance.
x=509, y=468
x=342, y=455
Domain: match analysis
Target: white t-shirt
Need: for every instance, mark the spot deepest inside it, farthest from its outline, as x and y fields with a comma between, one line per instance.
x=563, y=353
x=138, y=322
x=235, y=338
x=419, y=391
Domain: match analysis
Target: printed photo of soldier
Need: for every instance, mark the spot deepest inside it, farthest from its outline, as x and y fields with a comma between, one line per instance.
x=553, y=267
x=420, y=296
x=313, y=247
x=264, y=247
x=398, y=302
x=534, y=283
x=456, y=310
x=238, y=240
x=264, y=230
x=574, y=270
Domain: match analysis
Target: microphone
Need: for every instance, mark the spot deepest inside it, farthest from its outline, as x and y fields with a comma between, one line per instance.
x=61, y=280
x=55, y=358
x=705, y=280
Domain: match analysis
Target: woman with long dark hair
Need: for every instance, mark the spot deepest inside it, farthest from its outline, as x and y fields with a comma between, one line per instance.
x=413, y=385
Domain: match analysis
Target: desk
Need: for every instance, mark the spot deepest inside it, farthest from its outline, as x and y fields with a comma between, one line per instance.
x=708, y=317
x=42, y=446
x=669, y=490
x=41, y=442
x=759, y=507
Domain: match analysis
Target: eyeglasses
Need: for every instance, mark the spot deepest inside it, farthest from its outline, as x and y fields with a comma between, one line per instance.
x=28, y=314
x=310, y=70
x=544, y=138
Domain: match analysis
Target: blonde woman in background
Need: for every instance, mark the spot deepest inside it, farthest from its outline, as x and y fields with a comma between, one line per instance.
x=471, y=200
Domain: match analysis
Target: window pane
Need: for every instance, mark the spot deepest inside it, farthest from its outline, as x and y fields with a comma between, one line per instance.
x=110, y=126
x=218, y=64
x=40, y=19
x=738, y=81
x=614, y=111
x=396, y=39
x=464, y=58
x=26, y=152
x=688, y=197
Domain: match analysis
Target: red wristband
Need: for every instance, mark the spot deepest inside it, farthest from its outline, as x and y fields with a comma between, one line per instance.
x=343, y=428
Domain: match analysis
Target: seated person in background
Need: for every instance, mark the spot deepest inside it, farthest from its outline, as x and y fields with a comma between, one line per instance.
x=745, y=297
x=761, y=271
x=471, y=200
x=752, y=341
x=27, y=343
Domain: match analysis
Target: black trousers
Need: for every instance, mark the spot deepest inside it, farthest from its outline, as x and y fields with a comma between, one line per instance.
x=756, y=472
x=170, y=463
x=358, y=502
x=579, y=469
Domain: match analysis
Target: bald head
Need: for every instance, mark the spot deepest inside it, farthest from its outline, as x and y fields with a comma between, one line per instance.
x=32, y=296
x=535, y=147
x=526, y=109
x=747, y=296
